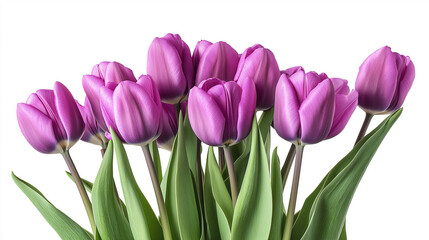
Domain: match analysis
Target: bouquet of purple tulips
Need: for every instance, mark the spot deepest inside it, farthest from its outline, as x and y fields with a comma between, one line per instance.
x=211, y=98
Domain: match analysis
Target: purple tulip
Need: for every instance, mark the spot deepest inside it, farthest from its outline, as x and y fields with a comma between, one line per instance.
x=50, y=120
x=169, y=127
x=221, y=112
x=311, y=107
x=218, y=60
x=384, y=80
x=93, y=132
x=103, y=74
x=169, y=63
x=259, y=64
x=133, y=110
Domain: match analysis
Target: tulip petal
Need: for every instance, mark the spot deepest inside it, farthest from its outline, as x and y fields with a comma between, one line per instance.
x=290, y=71
x=91, y=86
x=233, y=96
x=92, y=134
x=106, y=104
x=340, y=86
x=137, y=116
x=298, y=81
x=246, y=109
x=405, y=82
x=37, y=128
x=188, y=67
x=205, y=117
x=150, y=87
x=198, y=51
x=169, y=127
x=317, y=112
x=99, y=70
x=117, y=73
x=44, y=100
x=286, y=106
x=345, y=105
x=69, y=114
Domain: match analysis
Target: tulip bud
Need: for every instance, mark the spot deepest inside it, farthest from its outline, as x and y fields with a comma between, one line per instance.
x=169, y=64
x=103, y=74
x=217, y=60
x=221, y=112
x=259, y=64
x=93, y=133
x=133, y=110
x=311, y=107
x=384, y=80
x=169, y=127
x=50, y=120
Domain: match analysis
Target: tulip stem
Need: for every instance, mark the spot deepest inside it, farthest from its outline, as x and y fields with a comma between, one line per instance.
x=177, y=109
x=231, y=172
x=221, y=158
x=288, y=164
x=293, y=194
x=81, y=189
x=159, y=198
x=103, y=151
x=364, y=127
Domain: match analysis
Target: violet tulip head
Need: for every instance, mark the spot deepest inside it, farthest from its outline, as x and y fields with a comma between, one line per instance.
x=218, y=60
x=384, y=80
x=133, y=110
x=93, y=132
x=311, y=107
x=221, y=112
x=169, y=63
x=259, y=64
x=169, y=127
x=103, y=74
x=50, y=120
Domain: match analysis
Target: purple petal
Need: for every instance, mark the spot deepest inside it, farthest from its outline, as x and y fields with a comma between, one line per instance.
x=317, y=112
x=92, y=86
x=406, y=80
x=117, y=73
x=243, y=57
x=340, y=86
x=106, y=104
x=246, y=109
x=99, y=70
x=232, y=95
x=92, y=134
x=169, y=127
x=149, y=86
x=298, y=81
x=290, y=71
x=345, y=105
x=188, y=67
x=286, y=106
x=37, y=128
x=198, y=51
x=205, y=117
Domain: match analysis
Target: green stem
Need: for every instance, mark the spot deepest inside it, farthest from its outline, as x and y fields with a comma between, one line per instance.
x=81, y=189
x=293, y=194
x=159, y=198
x=288, y=164
x=177, y=108
x=103, y=151
x=364, y=127
x=221, y=158
x=231, y=172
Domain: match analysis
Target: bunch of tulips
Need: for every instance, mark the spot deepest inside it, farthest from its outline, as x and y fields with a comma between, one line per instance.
x=211, y=97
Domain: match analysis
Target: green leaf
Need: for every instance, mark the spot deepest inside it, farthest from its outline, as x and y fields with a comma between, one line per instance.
x=210, y=204
x=329, y=208
x=191, y=145
x=66, y=228
x=156, y=159
x=224, y=225
x=110, y=219
x=343, y=235
x=277, y=190
x=180, y=195
x=143, y=221
x=253, y=211
x=264, y=123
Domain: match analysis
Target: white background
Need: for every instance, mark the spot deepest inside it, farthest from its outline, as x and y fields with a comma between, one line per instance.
x=44, y=42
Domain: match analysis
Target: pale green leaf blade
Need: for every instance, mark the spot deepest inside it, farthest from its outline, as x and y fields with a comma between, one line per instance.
x=210, y=204
x=277, y=190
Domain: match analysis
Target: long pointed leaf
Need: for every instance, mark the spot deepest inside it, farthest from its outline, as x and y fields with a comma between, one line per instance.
x=277, y=189
x=210, y=204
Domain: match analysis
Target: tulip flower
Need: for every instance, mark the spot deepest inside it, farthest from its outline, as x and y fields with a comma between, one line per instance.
x=259, y=64
x=169, y=63
x=384, y=80
x=169, y=127
x=133, y=110
x=221, y=113
x=50, y=120
x=218, y=60
x=93, y=132
x=103, y=74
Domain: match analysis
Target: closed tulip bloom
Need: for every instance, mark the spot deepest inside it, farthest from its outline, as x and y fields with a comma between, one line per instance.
x=103, y=74
x=259, y=64
x=169, y=127
x=198, y=51
x=133, y=110
x=311, y=107
x=93, y=132
x=169, y=63
x=50, y=120
x=221, y=112
x=384, y=80
x=218, y=60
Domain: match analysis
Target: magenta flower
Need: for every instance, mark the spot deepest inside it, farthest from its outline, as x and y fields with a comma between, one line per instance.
x=50, y=120
x=311, y=107
x=221, y=112
x=103, y=74
x=93, y=132
x=169, y=64
x=133, y=110
x=169, y=127
x=259, y=64
x=218, y=60
x=384, y=80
